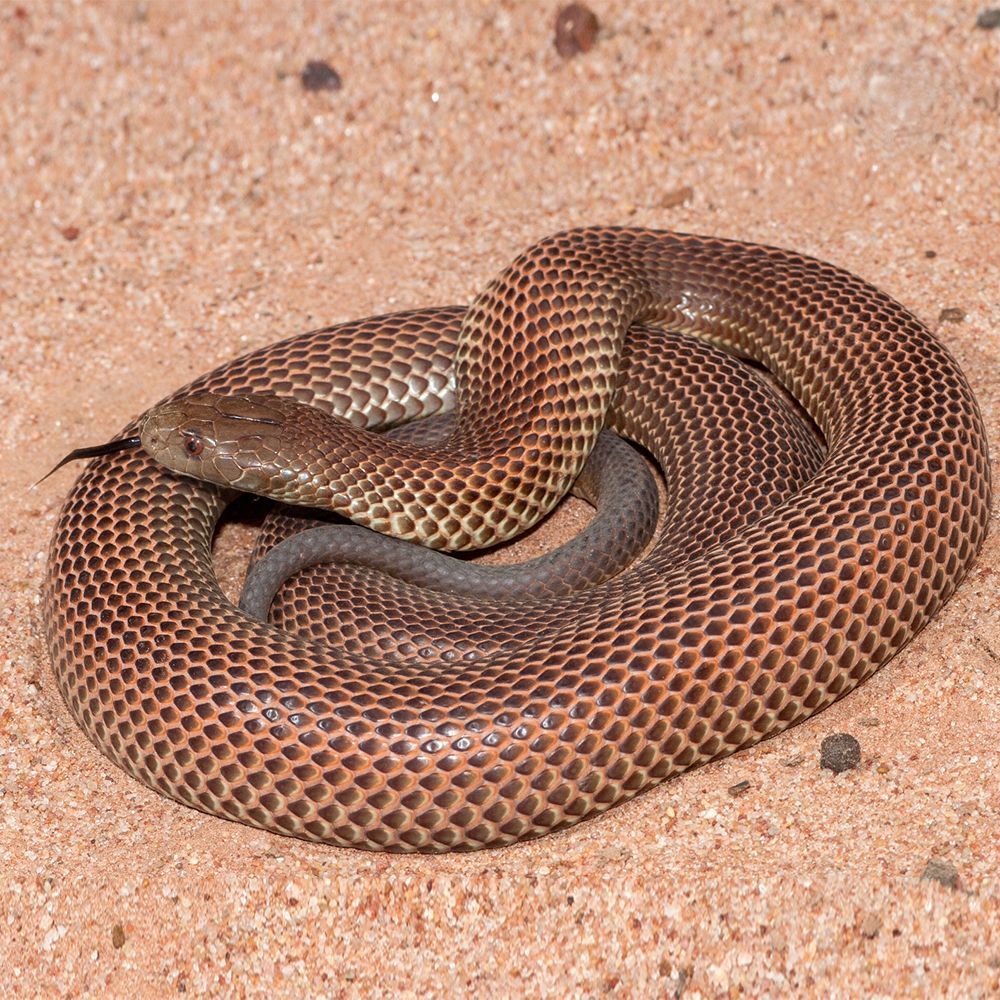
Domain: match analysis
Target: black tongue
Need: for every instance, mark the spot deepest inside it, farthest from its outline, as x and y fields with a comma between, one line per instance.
x=120, y=444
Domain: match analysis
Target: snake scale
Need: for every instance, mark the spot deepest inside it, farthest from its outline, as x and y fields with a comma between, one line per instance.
x=615, y=481
x=437, y=725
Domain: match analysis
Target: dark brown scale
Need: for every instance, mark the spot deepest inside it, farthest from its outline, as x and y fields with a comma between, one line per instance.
x=680, y=660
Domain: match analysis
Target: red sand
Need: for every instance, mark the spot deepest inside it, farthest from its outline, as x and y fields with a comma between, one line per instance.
x=171, y=197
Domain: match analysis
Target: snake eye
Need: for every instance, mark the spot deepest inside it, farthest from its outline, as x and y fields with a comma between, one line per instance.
x=193, y=444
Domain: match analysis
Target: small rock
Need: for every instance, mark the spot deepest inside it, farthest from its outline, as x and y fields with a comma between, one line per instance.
x=576, y=29
x=951, y=315
x=70, y=233
x=868, y=720
x=930, y=254
x=988, y=19
x=870, y=925
x=941, y=871
x=681, y=196
x=117, y=936
x=840, y=752
x=320, y=75
x=739, y=788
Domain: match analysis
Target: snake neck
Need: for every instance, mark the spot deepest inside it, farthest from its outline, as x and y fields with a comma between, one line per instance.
x=470, y=491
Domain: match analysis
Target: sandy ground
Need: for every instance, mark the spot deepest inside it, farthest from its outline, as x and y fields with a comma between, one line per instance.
x=171, y=196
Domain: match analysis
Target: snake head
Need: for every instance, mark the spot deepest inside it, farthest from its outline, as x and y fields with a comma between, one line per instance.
x=239, y=441
x=294, y=453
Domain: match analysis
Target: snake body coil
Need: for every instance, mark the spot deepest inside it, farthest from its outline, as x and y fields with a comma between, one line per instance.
x=729, y=630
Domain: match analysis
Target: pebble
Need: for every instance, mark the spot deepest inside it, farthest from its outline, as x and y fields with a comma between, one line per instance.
x=576, y=29
x=680, y=196
x=941, y=871
x=117, y=936
x=989, y=18
x=739, y=788
x=840, y=752
x=951, y=315
x=320, y=75
x=70, y=233
x=870, y=925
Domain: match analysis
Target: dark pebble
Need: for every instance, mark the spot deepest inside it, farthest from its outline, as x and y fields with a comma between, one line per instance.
x=576, y=29
x=840, y=752
x=951, y=315
x=70, y=233
x=989, y=19
x=930, y=254
x=739, y=788
x=117, y=936
x=319, y=75
x=941, y=871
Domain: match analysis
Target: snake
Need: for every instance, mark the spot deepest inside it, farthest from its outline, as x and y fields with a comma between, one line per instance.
x=439, y=725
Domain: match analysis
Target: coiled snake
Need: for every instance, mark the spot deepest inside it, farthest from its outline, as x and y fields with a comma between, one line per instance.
x=437, y=724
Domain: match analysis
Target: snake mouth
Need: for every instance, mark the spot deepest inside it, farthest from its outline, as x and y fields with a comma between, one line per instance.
x=92, y=451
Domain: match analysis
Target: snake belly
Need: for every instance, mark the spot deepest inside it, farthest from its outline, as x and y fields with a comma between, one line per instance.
x=680, y=660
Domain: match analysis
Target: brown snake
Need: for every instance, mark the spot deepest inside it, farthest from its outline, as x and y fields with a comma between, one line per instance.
x=723, y=634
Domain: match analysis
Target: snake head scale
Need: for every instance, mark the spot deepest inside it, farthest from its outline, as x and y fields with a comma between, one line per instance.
x=238, y=441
